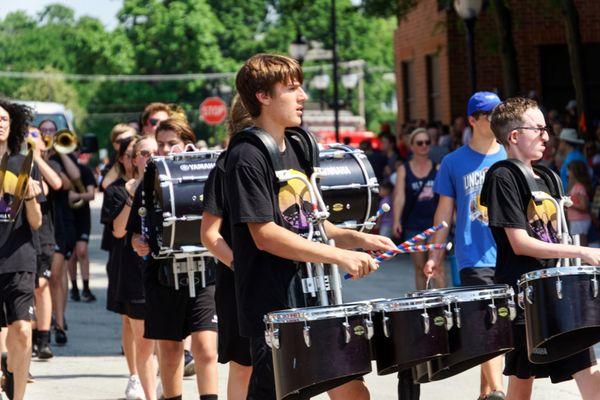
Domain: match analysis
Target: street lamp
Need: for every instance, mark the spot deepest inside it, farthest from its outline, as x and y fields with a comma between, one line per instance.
x=298, y=48
x=349, y=82
x=320, y=82
x=469, y=10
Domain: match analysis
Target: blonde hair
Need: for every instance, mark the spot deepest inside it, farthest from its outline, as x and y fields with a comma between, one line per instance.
x=260, y=73
x=415, y=132
x=239, y=118
x=120, y=129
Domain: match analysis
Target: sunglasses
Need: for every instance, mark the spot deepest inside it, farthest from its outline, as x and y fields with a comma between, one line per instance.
x=147, y=153
x=423, y=142
x=34, y=134
x=154, y=121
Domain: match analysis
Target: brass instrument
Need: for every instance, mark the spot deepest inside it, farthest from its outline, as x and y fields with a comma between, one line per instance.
x=48, y=141
x=65, y=142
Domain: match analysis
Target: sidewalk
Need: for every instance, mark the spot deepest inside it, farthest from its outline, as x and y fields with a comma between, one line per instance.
x=90, y=367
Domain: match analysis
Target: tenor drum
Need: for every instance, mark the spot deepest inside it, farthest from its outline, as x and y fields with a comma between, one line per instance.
x=349, y=186
x=409, y=331
x=316, y=349
x=172, y=195
x=481, y=329
x=562, y=311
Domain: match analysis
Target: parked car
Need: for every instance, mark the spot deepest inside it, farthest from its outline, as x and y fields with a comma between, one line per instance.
x=57, y=112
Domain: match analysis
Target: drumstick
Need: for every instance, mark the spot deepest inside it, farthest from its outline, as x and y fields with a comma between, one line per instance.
x=385, y=207
x=423, y=235
x=421, y=248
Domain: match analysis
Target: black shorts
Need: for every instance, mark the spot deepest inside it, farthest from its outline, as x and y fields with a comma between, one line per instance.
x=16, y=296
x=262, y=380
x=83, y=227
x=172, y=314
x=474, y=276
x=44, y=263
x=232, y=346
x=517, y=363
x=133, y=309
x=65, y=239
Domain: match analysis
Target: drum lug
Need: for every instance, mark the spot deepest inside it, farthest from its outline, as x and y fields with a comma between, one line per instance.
x=493, y=313
x=347, y=332
x=512, y=309
x=386, y=326
x=369, y=328
x=559, y=292
x=306, y=334
x=528, y=294
x=594, y=286
x=275, y=338
x=457, y=316
x=425, y=322
x=449, y=319
x=268, y=338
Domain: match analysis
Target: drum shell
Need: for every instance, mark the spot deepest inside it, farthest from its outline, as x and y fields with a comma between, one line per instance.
x=326, y=364
x=562, y=327
x=349, y=204
x=408, y=345
x=476, y=341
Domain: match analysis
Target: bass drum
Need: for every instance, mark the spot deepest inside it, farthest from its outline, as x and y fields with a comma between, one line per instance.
x=172, y=195
x=349, y=186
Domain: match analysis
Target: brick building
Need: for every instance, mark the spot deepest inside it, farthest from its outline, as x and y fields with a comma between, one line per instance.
x=431, y=66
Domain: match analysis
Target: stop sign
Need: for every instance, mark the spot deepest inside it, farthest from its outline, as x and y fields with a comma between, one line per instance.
x=213, y=110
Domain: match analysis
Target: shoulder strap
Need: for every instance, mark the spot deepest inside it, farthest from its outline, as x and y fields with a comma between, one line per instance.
x=263, y=141
x=518, y=170
x=308, y=144
x=552, y=180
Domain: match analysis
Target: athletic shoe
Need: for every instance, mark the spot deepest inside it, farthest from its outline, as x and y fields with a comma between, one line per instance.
x=75, y=294
x=496, y=395
x=44, y=351
x=60, y=337
x=8, y=384
x=134, y=389
x=189, y=368
x=87, y=296
x=34, y=350
x=30, y=378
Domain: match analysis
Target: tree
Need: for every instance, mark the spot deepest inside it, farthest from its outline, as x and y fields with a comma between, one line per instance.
x=508, y=54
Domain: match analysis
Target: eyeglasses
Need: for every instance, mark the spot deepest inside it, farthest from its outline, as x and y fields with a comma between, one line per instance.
x=154, y=121
x=34, y=134
x=423, y=142
x=538, y=129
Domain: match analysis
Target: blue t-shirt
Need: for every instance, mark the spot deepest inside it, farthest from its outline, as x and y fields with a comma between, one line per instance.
x=461, y=177
x=572, y=156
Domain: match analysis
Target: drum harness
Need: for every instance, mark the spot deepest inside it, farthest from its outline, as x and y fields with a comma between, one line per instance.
x=560, y=201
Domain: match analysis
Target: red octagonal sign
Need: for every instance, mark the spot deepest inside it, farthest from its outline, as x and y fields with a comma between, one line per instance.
x=213, y=110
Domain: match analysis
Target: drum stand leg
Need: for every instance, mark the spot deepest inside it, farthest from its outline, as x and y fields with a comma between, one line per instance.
x=190, y=274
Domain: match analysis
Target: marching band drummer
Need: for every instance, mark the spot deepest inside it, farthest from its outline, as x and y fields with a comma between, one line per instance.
x=171, y=315
x=18, y=263
x=520, y=126
x=263, y=235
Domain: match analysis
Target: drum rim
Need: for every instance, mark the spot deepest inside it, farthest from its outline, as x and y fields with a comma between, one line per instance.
x=468, y=293
x=318, y=313
x=558, y=271
x=409, y=303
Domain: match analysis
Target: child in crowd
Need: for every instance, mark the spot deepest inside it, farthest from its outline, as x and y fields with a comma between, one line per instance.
x=580, y=190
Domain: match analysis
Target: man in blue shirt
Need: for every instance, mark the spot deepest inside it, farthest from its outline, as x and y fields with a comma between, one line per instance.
x=458, y=183
x=569, y=146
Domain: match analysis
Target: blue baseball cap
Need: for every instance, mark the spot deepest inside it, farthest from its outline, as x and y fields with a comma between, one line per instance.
x=482, y=101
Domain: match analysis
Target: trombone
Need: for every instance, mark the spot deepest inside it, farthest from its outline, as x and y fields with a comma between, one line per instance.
x=65, y=142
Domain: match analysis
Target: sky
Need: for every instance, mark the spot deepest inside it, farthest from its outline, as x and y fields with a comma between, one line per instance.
x=105, y=10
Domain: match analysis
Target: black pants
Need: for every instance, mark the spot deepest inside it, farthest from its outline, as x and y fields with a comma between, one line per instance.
x=407, y=389
x=262, y=380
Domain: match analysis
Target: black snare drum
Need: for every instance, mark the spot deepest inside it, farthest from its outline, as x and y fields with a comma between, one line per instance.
x=562, y=311
x=481, y=329
x=173, y=188
x=316, y=349
x=349, y=186
x=409, y=331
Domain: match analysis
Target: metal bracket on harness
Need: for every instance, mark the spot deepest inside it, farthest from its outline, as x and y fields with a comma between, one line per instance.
x=316, y=283
x=190, y=261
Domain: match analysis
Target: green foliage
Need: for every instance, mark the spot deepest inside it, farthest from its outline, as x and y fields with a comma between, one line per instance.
x=179, y=36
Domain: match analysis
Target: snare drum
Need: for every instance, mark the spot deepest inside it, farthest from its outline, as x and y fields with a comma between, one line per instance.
x=562, y=311
x=349, y=186
x=481, y=329
x=409, y=331
x=316, y=349
x=173, y=188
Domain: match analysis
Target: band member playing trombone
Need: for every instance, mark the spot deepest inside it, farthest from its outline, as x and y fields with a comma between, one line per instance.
x=17, y=250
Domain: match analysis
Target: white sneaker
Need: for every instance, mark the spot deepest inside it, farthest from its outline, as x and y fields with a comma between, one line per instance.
x=159, y=390
x=134, y=389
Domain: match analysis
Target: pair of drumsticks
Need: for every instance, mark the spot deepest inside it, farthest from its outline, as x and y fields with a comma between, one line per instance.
x=410, y=246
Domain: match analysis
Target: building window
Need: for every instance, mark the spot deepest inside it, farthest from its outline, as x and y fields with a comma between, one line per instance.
x=408, y=85
x=433, y=88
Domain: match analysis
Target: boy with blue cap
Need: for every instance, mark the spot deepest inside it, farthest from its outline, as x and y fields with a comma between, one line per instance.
x=458, y=183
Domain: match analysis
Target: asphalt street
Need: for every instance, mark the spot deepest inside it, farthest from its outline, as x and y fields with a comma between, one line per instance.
x=90, y=365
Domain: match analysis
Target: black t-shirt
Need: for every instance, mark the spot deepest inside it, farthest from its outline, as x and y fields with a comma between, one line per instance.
x=88, y=179
x=510, y=205
x=46, y=231
x=63, y=214
x=18, y=252
x=262, y=280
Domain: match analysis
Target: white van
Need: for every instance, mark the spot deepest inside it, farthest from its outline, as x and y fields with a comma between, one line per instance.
x=57, y=112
